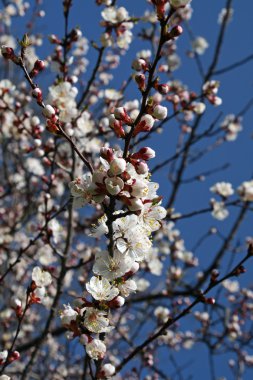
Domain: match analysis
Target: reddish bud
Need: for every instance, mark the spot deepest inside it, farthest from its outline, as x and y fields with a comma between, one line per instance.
x=210, y=301
x=145, y=154
x=140, y=80
x=39, y=65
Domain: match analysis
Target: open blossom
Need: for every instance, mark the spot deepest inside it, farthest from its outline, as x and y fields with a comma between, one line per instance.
x=232, y=125
x=232, y=286
x=128, y=287
x=246, y=191
x=96, y=349
x=63, y=97
x=96, y=321
x=101, y=289
x=112, y=267
x=223, y=189
x=219, y=210
x=80, y=190
x=199, y=45
x=152, y=214
x=114, y=185
x=135, y=243
x=41, y=277
x=67, y=315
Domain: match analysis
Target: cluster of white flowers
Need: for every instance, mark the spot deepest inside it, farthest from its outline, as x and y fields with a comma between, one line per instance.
x=118, y=19
x=232, y=125
x=62, y=96
x=128, y=181
x=13, y=9
x=210, y=90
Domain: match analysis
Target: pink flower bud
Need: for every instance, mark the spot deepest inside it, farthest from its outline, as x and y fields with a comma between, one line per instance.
x=160, y=112
x=118, y=166
x=48, y=111
x=162, y=88
x=139, y=64
x=140, y=80
x=39, y=65
x=121, y=114
x=210, y=301
x=145, y=153
x=54, y=39
x=141, y=167
x=107, y=154
x=116, y=125
x=118, y=301
x=145, y=125
x=7, y=52
x=37, y=93
x=176, y=31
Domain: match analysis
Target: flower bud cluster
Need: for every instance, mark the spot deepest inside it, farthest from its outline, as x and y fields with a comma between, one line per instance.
x=126, y=180
x=210, y=90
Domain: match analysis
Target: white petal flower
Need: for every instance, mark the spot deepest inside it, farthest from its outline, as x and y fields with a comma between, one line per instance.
x=41, y=277
x=114, y=185
x=219, y=210
x=96, y=349
x=128, y=287
x=68, y=315
x=246, y=191
x=80, y=189
x=199, y=45
x=112, y=267
x=101, y=290
x=96, y=321
x=223, y=189
x=152, y=215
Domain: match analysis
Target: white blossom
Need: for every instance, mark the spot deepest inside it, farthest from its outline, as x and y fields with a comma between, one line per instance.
x=199, y=45
x=101, y=289
x=41, y=277
x=67, y=315
x=96, y=349
x=223, y=189
x=245, y=190
x=112, y=267
x=96, y=321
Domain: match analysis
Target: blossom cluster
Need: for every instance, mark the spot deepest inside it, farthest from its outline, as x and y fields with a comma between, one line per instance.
x=127, y=181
